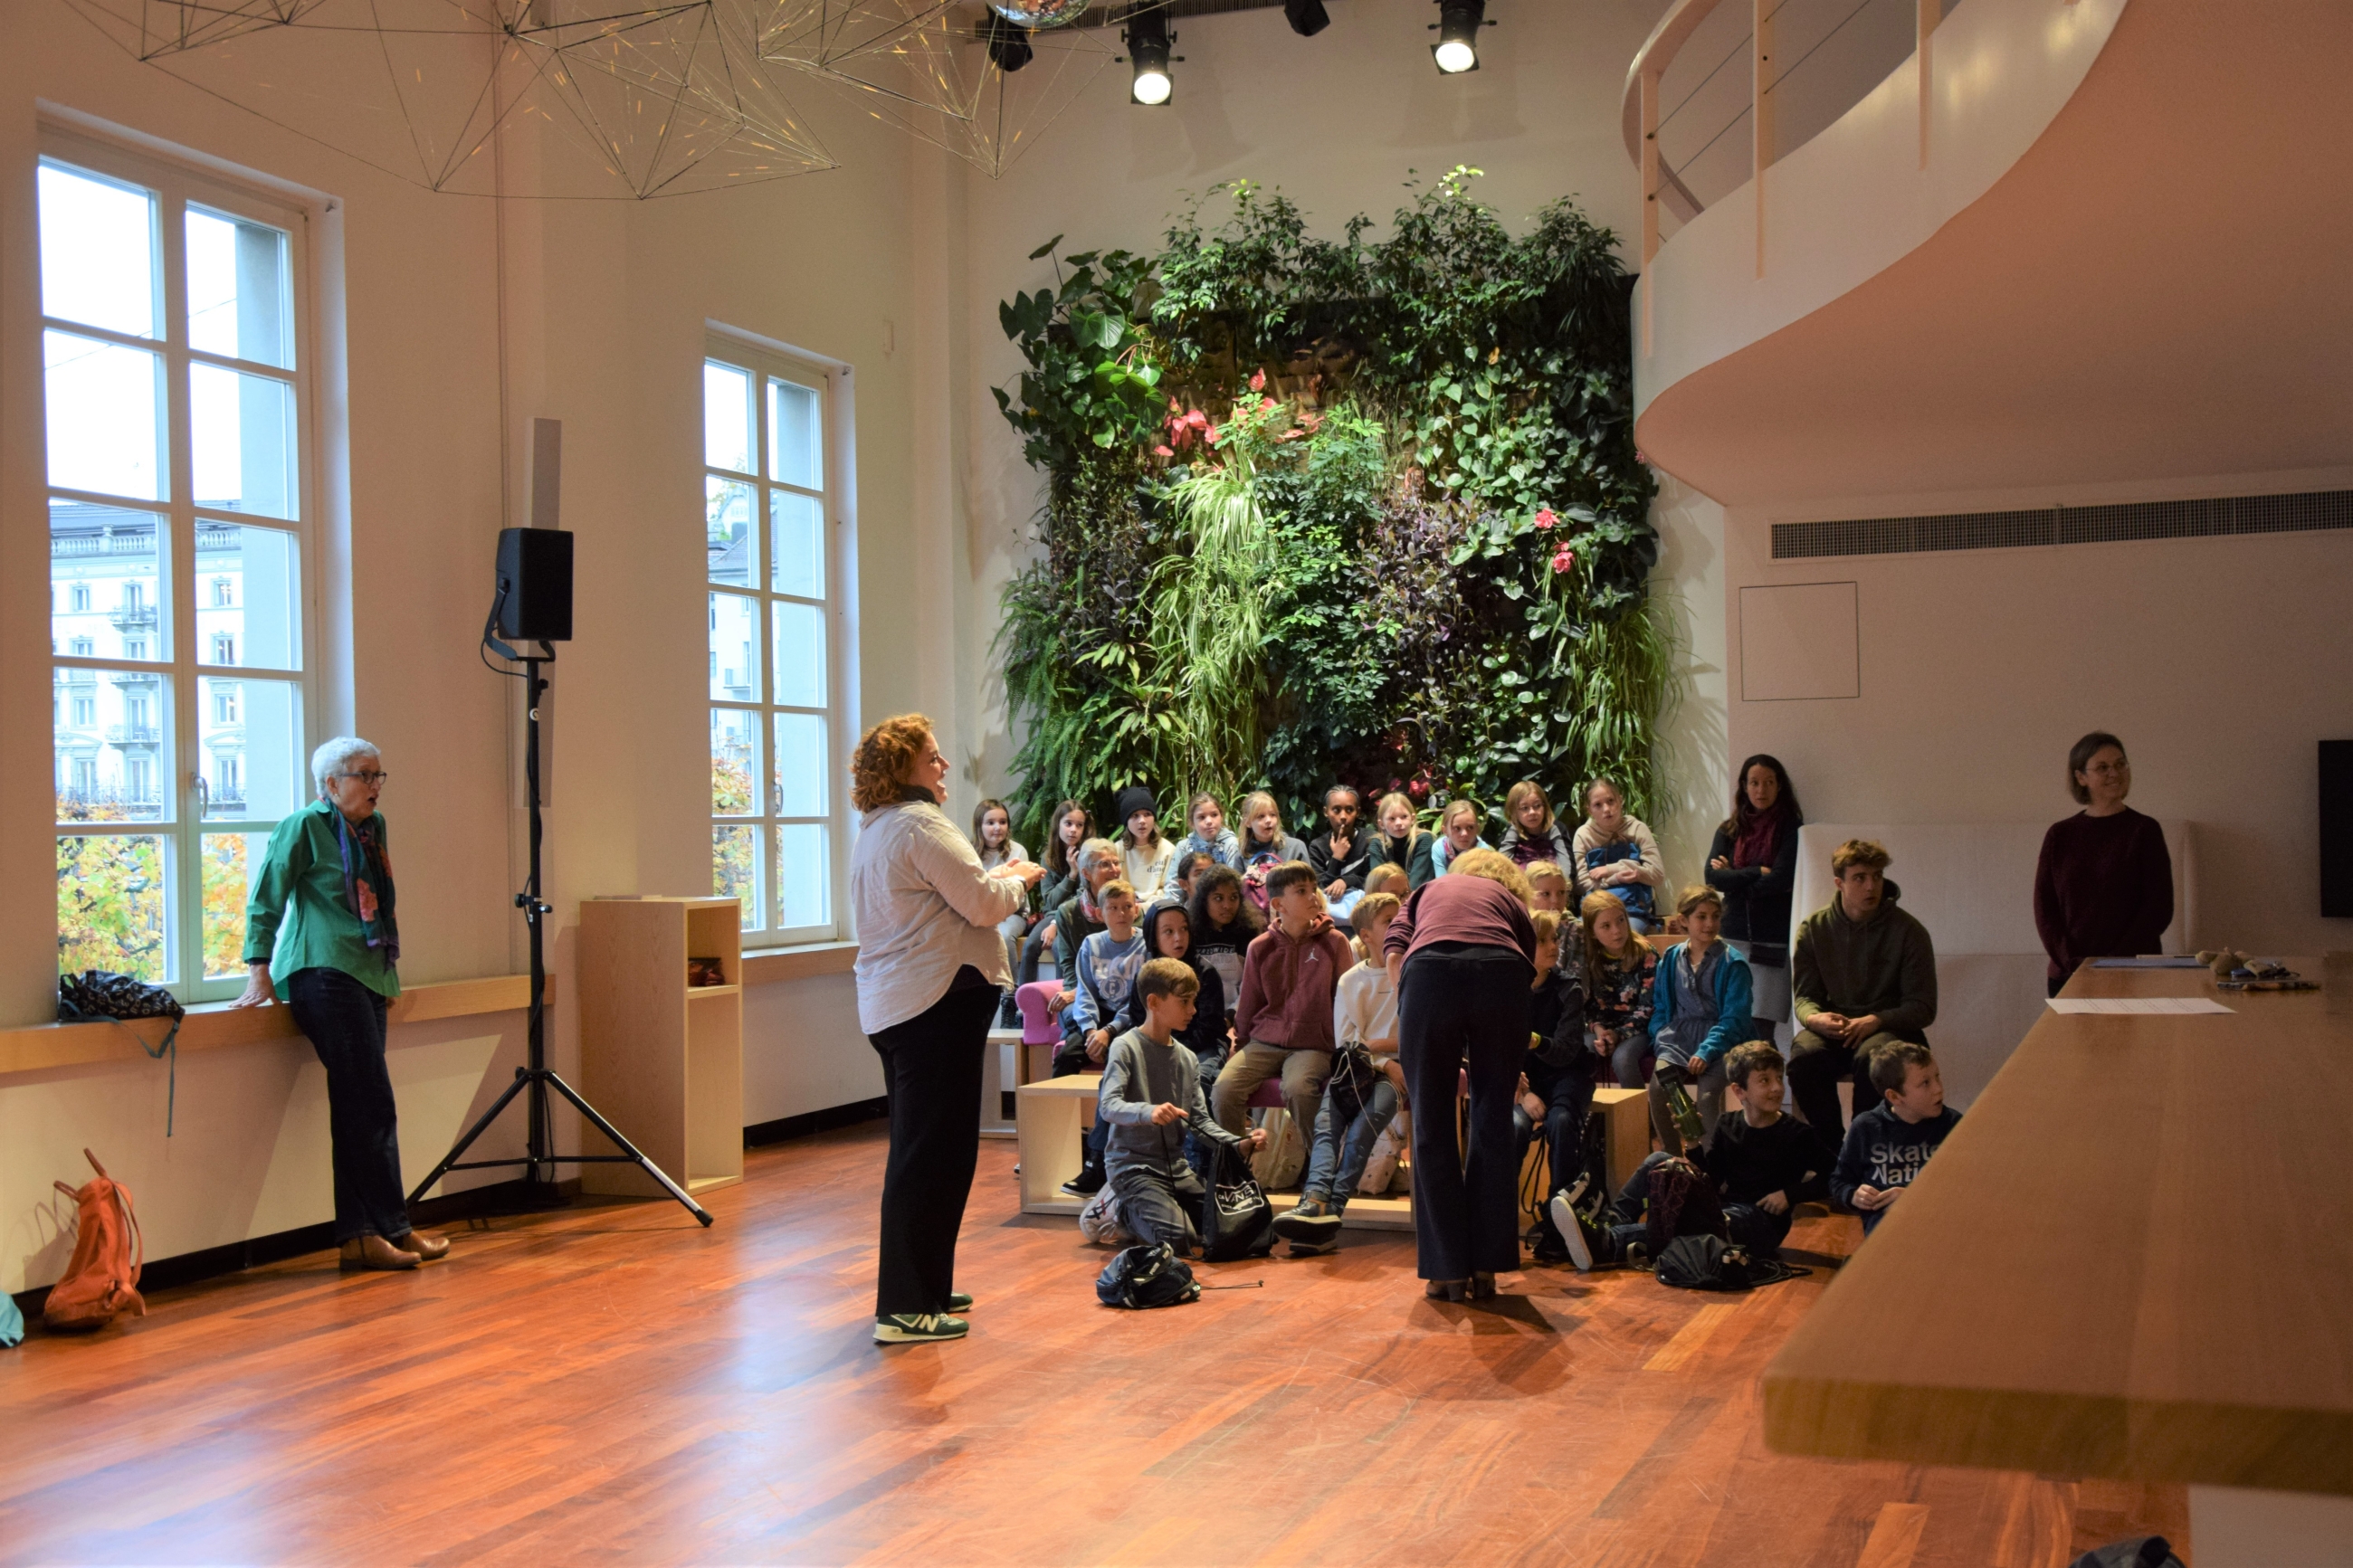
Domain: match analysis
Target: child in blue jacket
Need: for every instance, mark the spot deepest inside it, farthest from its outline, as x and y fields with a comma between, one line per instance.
x=1699, y=1011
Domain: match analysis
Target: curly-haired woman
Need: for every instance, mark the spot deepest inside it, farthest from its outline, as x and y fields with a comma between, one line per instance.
x=930, y=970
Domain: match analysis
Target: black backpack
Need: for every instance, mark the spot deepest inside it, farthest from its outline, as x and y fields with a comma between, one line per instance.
x=99, y=995
x=1682, y=1202
x=1350, y=1083
x=1146, y=1275
x=1709, y=1263
x=2140, y=1552
x=1235, y=1219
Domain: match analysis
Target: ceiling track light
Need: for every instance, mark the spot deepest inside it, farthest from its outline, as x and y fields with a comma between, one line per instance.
x=1148, y=41
x=1008, y=43
x=1307, y=17
x=1458, y=24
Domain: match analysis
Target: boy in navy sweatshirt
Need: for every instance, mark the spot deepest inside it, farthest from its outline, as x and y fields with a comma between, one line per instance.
x=1888, y=1145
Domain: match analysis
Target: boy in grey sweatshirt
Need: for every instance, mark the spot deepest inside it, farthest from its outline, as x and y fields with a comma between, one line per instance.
x=1149, y=1099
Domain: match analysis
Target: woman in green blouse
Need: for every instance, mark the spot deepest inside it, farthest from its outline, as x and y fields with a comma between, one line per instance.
x=320, y=936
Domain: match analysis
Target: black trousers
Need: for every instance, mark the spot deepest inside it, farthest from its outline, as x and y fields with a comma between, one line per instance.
x=1453, y=1010
x=931, y=1071
x=346, y=1023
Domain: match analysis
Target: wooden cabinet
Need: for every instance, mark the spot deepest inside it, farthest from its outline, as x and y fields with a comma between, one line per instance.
x=663, y=1060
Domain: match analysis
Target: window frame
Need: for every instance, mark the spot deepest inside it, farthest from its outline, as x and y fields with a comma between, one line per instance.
x=185, y=585
x=764, y=361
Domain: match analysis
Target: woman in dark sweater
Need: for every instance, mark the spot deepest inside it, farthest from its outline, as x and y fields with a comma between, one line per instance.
x=1462, y=957
x=1754, y=864
x=2104, y=886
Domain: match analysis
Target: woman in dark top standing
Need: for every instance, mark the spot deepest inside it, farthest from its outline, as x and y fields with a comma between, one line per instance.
x=1754, y=864
x=2104, y=886
x=1462, y=957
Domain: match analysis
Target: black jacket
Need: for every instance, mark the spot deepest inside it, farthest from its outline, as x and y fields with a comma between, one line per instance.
x=1205, y=1036
x=1755, y=906
x=1348, y=868
x=1557, y=1019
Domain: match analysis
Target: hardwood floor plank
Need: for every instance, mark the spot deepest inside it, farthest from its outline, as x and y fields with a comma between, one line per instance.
x=1895, y=1536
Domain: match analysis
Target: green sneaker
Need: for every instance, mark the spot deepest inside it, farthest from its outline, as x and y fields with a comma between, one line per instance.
x=959, y=1302
x=918, y=1327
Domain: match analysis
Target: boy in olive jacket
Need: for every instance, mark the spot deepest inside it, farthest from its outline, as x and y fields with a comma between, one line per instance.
x=1862, y=975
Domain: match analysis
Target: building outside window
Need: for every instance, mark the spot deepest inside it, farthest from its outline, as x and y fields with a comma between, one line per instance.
x=773, y=532
x=177, y=358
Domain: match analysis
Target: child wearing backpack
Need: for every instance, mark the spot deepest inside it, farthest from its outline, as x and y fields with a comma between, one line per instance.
x=1615, y=854
x=1887, y=1146
x=1150, y=1100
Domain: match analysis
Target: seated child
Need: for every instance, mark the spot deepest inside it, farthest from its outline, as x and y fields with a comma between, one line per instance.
x=1763, y=1163
x=1149, y=1102
x=1531, y=832
x=1264, y=846
x=1363, y=1015
x=1887, y=1146
x=1145, y=854
x=1103, y=972
x=1699, y=1008
x=1343, y=852
x=1547, y=887
x=1402, y=841
x=1615, y=854
x=1621, y=972
x=1183, y=872
x=1283, y=1022
x=1210, y=835
x=1169, y=933
x=1459, y=832
x=1556, y=1079
x=1223, y=927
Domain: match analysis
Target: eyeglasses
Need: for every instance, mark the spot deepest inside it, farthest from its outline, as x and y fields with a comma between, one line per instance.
x=374, y=781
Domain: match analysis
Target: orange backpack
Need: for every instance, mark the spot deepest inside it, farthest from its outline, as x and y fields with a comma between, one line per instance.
x=103, y=1276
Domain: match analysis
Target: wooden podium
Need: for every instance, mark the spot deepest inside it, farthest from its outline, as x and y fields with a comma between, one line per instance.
x=661, y=1059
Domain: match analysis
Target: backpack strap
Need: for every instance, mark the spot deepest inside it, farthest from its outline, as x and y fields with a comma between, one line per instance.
x=169, y=1045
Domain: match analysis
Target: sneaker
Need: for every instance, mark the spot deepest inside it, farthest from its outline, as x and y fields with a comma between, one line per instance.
x=1570, y=1193
x=1574, y=1229
x=959, y=1301
x=1085, y=1185
x=1312, y=1223
x=1314, y=1249
x=918, y=1327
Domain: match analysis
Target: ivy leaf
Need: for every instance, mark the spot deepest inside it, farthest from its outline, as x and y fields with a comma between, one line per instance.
x=1512, y=591
x=1046, y=250
x=1103, y=439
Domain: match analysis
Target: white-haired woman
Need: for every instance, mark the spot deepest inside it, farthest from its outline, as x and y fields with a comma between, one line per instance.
x=320, y=936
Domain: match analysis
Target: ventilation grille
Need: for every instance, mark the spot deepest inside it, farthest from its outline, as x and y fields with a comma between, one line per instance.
x=2311, y=511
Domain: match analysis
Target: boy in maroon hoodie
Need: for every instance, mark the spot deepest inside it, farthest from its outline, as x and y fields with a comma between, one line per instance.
x=1284, y=1021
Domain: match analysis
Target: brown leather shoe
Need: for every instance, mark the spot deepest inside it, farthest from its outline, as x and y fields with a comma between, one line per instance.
x=424, y=1244
x=375, y=1252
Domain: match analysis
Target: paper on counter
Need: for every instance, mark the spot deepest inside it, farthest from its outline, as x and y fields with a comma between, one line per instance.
x=2141, y=1006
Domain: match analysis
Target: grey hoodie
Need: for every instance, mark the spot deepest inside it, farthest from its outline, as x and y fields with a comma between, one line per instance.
x=1139, y=1074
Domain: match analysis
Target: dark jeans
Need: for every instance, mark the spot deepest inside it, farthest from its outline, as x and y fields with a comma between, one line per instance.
x=1567, y=1094
x=1033, y=952
x=1816, y=1065
x=931, y=1071
x=346, y=1023
x=1752, y=1227
x=1454, y=1009
x=1069, y=1061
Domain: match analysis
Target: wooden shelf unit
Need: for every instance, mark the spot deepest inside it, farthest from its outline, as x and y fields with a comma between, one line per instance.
x=663, y=1060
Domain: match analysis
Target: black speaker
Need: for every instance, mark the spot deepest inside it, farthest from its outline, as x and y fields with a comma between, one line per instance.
x=2337, y=829
x=534, y=595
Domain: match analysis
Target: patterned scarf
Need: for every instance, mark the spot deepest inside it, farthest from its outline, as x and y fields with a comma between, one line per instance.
x=367, y=882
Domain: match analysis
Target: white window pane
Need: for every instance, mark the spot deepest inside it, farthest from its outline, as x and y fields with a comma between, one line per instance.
x=736, y=869
x=105, y=408
x=230, y=862
x=114, y=899
x=239, y=302
x=244, y=438
x=250, y=738
x=727, y=534
x=734, y=763
x=106, y=586
x=800, y=654
x=799, y=548
x=734, y=647
x=113, y=754
x=249, y=596
x=98, y=251
x=800, y=765
x=796, y=447
x=804, y=890
x=726, y=417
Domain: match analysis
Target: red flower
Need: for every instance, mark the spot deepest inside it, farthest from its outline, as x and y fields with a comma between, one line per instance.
x=1163, y=452
x=1418, y=788
x=1214, y=437
x=1200, y=421
x=1396, y=784
x=1545, y=518
x=1258, y=381
x=1564, y=560
x=1175, y=407
x=1265, y=403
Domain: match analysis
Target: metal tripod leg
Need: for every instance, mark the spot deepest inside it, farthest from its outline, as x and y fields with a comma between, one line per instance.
x=624, y=1145
x=480, y=1126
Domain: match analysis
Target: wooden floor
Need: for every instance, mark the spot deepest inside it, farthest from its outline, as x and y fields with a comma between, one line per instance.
x=612, y=1384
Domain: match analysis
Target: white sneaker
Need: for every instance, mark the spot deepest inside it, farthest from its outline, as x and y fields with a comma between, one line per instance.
x=918, y=1327
x=1571, y=1225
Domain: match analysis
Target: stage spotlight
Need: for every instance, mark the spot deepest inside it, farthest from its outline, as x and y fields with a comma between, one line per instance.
x=1148, y=39
x=1008, y=43
x=1459, y=22
x=1307, y=17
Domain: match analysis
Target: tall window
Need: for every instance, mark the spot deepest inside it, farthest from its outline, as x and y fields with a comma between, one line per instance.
x=177, y=405
x=771, y=528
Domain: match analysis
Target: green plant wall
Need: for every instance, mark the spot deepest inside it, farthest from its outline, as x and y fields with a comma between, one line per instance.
x=1353, y=511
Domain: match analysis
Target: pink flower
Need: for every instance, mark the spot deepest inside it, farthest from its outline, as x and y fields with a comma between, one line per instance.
x=1544, y=518
x=1396, y=784
x=1214, y=437
x=1265, y=403
x=1258, y=381
x=1418, y=788
x=1200, y=421
x=1564, y=560
x=1163, y=452
x=1175, y=407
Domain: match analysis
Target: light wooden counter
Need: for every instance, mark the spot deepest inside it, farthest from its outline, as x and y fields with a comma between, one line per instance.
x=2133, y=1259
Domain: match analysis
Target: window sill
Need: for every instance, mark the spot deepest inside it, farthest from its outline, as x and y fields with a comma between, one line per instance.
x=212, y=1024
x=799, y=963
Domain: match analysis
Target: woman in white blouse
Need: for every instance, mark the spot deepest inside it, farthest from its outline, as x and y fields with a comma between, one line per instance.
x=930, y=969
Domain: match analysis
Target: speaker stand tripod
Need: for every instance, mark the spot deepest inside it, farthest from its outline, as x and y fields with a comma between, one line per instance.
x=535, y=1079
